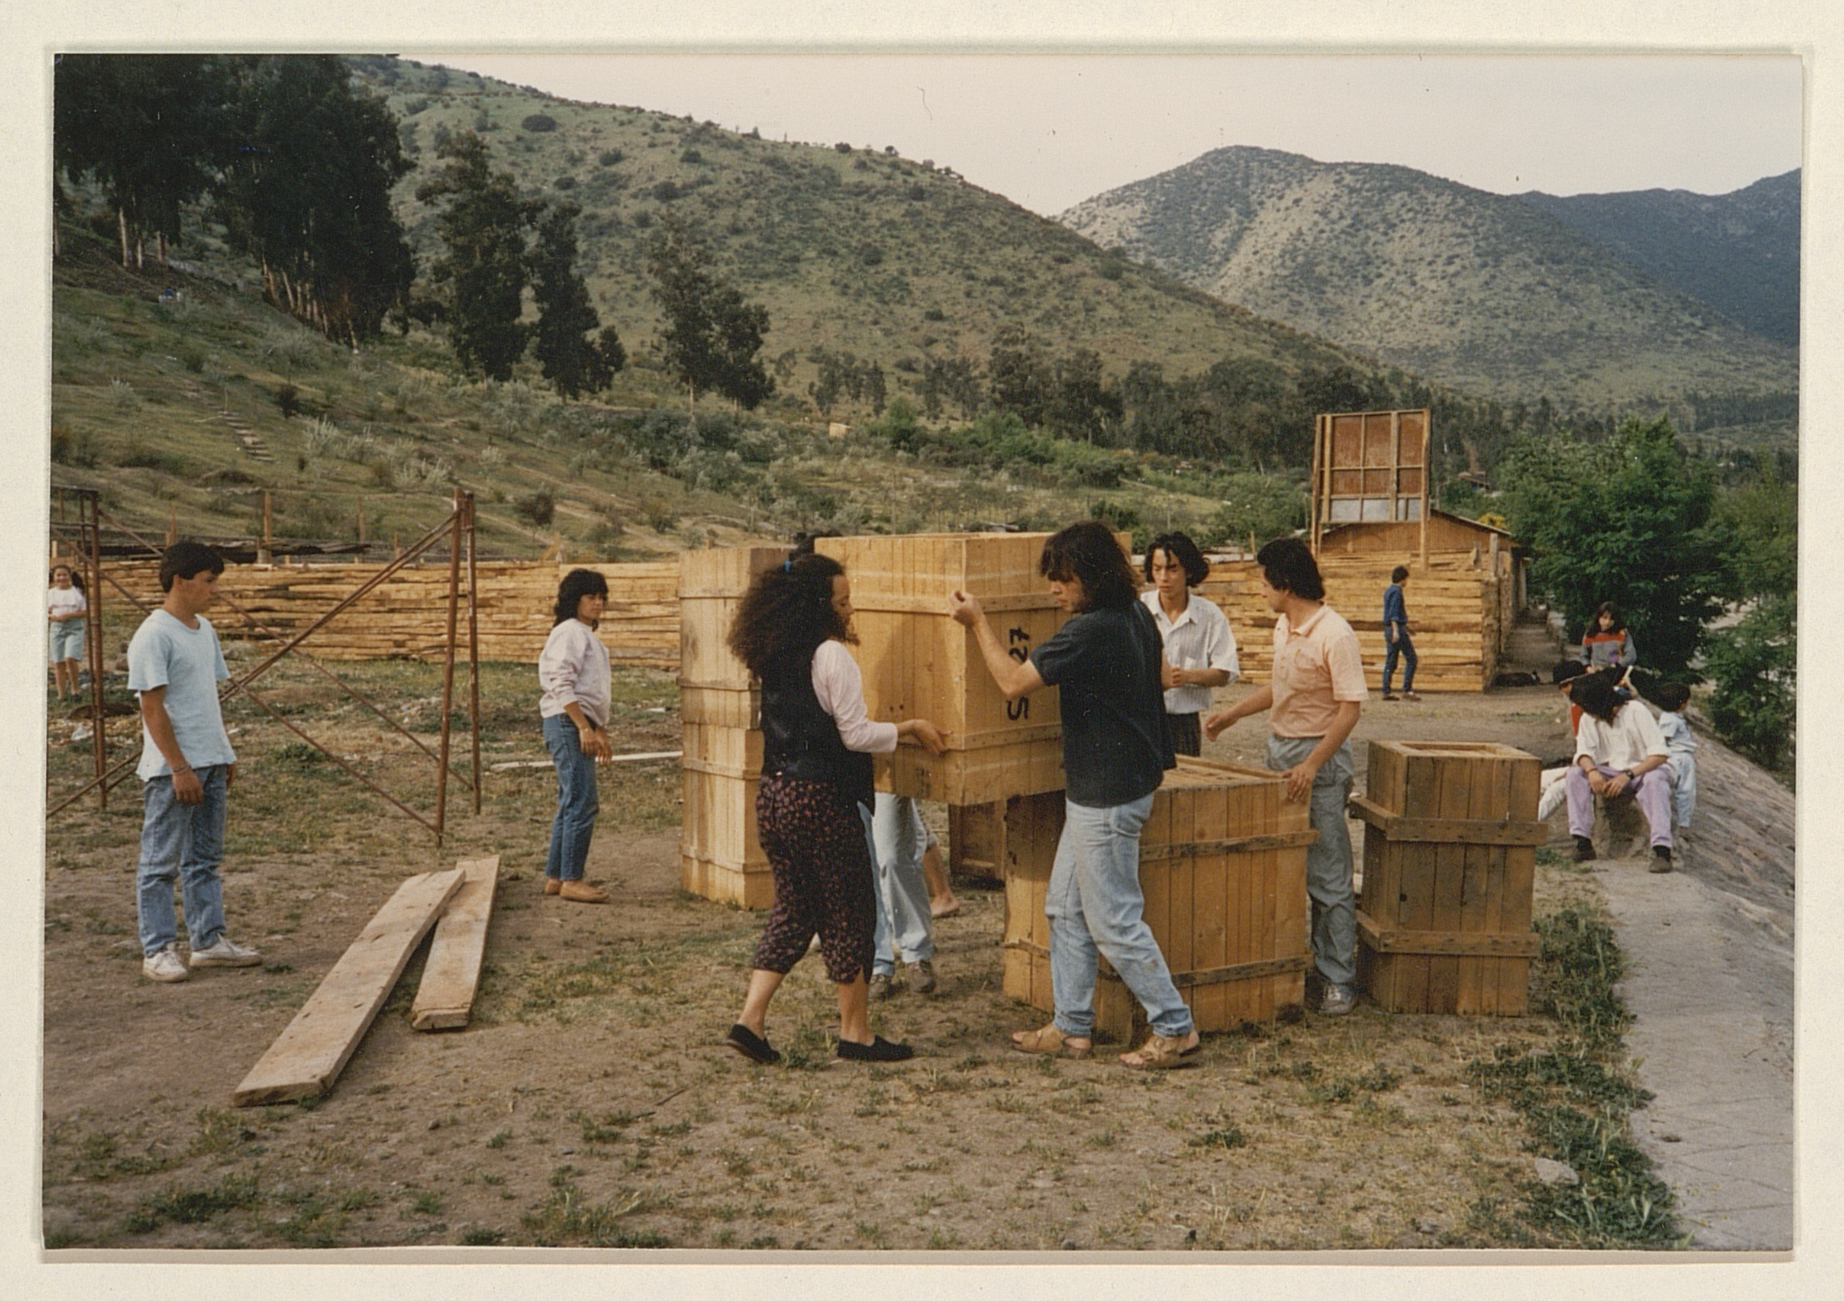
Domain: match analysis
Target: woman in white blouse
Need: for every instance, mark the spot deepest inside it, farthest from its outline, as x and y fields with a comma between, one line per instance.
x=573, y=670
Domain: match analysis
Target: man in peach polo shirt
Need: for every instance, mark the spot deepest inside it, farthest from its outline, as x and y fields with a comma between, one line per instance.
x=1313, y=700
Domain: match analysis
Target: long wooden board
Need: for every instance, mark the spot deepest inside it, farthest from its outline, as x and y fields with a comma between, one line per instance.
x=309, y=1054
x=445, y=997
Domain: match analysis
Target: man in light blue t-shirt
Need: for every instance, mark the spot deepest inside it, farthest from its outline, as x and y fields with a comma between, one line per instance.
x=187, y=766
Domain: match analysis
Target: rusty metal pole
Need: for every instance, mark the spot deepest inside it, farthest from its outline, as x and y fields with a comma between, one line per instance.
x=92, y=564
x=448, y=670
x=473, y=647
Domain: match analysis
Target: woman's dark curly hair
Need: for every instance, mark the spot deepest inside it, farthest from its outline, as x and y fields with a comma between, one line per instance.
x=1090, y=554
x=1616, y=623
x=576, y=584
x=1178, y=547
x=786, y=613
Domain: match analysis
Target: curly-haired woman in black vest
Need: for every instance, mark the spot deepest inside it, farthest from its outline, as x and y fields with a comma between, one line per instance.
x=813, y=807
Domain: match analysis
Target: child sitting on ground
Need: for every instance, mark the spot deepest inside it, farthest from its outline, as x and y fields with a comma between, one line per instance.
x=1682, y=763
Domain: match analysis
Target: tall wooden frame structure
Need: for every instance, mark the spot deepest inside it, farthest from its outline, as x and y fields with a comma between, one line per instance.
x=1371, y=467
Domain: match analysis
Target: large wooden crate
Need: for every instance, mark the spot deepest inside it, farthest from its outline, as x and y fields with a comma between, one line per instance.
x=720, y=713
x=919, y=663
x=1450, y=840
x=1223, y=870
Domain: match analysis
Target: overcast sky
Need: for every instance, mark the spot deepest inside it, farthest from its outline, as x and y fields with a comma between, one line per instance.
x=1050, y=130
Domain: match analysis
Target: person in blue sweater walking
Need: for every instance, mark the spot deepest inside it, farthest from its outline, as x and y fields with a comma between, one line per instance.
x=1396, y=636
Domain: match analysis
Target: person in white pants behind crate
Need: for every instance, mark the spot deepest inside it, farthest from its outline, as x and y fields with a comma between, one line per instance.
x=904, y=923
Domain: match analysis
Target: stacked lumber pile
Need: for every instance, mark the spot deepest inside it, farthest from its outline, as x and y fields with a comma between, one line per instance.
x=1459, y=613
x=407, y=616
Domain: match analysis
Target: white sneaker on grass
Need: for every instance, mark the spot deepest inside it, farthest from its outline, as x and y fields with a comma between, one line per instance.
x=166, y=966
x=224, y=952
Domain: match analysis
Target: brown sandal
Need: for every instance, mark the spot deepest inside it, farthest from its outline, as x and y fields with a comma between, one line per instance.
x=1159, y=1053
x=1049, y=1041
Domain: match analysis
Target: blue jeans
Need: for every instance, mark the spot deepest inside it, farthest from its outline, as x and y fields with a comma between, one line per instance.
x=577, y=803
x=184, y=841
x=1406, y=648
x=1094, y=905
x=898, y=839
x=1328, y=859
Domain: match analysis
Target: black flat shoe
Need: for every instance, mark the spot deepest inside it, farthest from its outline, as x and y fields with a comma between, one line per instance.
x=879, y=1049
x=751, y=1045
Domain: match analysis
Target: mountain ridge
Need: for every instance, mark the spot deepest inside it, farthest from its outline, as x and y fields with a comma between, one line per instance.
x=1489, y=293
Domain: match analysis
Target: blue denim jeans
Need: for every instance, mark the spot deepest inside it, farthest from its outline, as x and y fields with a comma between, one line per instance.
x=1406, y=649
x=577, y=802
x=1328, y=859
x=183, y=841
x=1095, y=906
x=898, y=839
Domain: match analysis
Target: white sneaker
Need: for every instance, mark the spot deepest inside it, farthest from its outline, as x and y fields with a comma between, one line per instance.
x=225, y=953
x=165, y=966
x=1338, y=1000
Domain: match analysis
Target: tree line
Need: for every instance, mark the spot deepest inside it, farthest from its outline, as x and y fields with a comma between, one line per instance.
x=298, y=165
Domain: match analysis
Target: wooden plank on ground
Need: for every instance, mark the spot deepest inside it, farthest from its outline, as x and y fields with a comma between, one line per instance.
x=445, y=998
x=309, y=1054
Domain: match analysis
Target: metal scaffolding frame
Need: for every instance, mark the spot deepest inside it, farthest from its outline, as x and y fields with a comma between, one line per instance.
x=458, y=528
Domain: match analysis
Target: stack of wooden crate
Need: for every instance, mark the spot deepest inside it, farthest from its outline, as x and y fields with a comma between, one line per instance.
x=1450, y=842
x=1223, y=870
x=720, y=708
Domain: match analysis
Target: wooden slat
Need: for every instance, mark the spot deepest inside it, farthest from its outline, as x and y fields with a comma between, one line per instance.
x=1464, y=831
x=309, y=1054
x=445, y=998
x=1388, y=939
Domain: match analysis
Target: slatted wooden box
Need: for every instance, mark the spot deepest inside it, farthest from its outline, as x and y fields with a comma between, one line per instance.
x=919, y=663
x=1223, y=870
x=1450, y=842
x=720, y=711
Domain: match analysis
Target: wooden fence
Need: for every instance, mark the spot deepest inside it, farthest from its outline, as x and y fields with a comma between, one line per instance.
x=1462, y=612
x=407, y=616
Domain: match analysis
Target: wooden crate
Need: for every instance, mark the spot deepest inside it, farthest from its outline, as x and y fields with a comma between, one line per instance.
x=720, y=711
x=711, y=586
x=1223, y=870
x=919, y=663
x=719, y=855
x=1450, y=840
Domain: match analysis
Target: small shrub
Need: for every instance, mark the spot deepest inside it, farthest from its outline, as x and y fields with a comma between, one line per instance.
x=610, y=157
x=564, y=183
x=691, y=156
x=538, y=122
x=538, y=509
x=288, y=400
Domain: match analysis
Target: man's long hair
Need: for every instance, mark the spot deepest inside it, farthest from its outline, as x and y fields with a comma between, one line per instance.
x=1089, y=553
x=1179, y=550
x=786, y=613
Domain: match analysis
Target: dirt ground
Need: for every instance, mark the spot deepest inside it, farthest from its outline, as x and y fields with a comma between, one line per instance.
x=590, y=1103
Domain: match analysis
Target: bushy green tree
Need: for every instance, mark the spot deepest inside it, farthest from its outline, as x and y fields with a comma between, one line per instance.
x=713, y=336
x=306, y=190
x=565, y=340
x=148, y=128
x=1755, y=668
x=1764, y=516
x=1258, y=506
x=1631, y=520
x=482, y=269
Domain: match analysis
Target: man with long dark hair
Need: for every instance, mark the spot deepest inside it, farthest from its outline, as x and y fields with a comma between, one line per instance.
x=1105, y=664
x=1313, y=700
